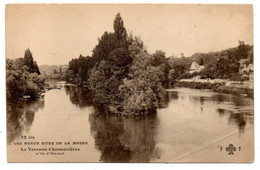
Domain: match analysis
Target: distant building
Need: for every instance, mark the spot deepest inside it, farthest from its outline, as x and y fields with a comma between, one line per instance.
x=247, y=70
x=242, y=64
x=195, y=67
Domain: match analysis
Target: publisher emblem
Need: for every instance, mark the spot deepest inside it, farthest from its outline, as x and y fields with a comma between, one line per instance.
x=231, y=149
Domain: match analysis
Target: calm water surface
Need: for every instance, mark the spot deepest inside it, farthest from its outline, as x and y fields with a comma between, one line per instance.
x=187, y=119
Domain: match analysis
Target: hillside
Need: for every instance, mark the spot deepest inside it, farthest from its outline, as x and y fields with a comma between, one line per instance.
x=224, y=53
x=50, y=69
x=223, y=64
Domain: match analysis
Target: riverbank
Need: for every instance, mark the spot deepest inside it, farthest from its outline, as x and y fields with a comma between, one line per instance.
x=48, y=85
x=217, y=87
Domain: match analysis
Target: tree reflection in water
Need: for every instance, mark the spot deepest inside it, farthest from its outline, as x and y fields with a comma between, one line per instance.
x=236, y=100
x=79, y=96
x=20, y=116
x=122, y=139
x=235, y=116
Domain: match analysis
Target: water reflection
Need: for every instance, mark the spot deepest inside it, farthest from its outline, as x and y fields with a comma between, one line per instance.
x=238, y=119
x=185, y=120
x=235, y=112
x=238, y=111
x=166, y=97
x=79, y=96
x=20, y=116
x=123, y=139
x=235, y=100
x=119, y=139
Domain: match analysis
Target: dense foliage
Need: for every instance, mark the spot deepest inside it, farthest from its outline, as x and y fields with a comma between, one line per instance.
x=120, y=73
x=159, y=60
x=23, y=77
x=140, y=90
x=28, y=61
x=78, y=70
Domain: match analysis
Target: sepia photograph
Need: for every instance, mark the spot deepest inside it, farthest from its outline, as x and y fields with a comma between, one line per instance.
x=129, y=83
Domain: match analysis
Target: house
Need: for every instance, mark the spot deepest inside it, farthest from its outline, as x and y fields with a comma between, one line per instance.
x=247, y=70
x=250, y=70
x=242, y=65
x=195, y=67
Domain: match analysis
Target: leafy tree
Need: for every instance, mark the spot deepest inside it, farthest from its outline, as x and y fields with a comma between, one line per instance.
x=158, y=58
x=135, y=45
x=28, y=61
x=242, y=52
x=106, y=44
x=112, y=61
x=180, y=65
x=173, y=77
x=209, y=71
x=78, y=70
x=225, y=67
x=251, y=58
x=120, y=31
x=140, y=91
x=201, y=61
x=22, y=78
x=107, y=76
x=165, y=69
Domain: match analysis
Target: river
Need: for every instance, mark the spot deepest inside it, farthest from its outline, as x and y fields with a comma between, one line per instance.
x=190, y=126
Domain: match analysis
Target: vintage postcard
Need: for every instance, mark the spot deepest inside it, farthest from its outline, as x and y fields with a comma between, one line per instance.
x=137, y=83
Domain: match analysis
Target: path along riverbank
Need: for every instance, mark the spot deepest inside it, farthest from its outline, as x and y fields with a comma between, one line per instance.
x=217, y=87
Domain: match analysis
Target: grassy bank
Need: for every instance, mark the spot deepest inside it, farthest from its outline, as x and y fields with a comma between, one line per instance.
x=217, y=87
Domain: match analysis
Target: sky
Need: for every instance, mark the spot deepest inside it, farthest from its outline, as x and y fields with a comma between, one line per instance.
x=57, y=33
